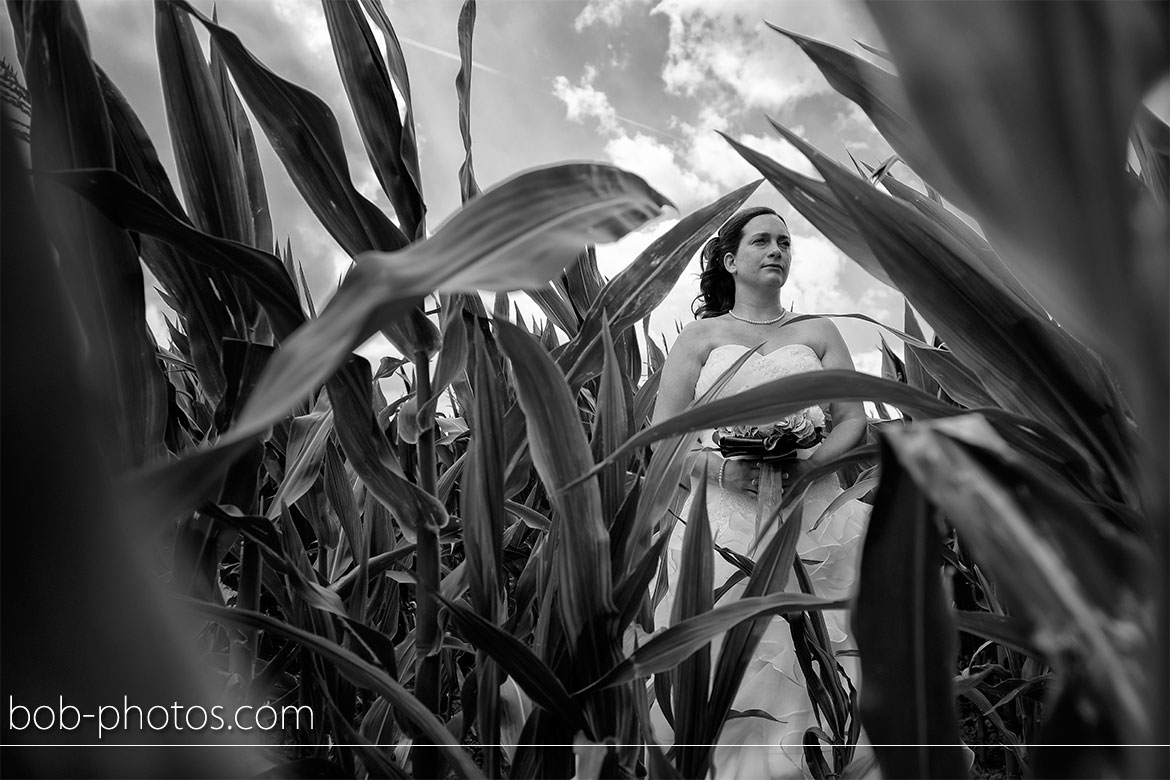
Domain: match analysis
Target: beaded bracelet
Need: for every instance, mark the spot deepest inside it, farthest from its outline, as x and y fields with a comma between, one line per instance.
x=722, y=466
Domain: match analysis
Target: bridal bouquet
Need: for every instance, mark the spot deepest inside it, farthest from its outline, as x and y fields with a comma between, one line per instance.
x=775, y=442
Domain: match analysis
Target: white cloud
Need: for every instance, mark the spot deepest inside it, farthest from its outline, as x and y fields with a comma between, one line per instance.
x=715, y=159
x=868, y=362
x=305, y=17
x=156, y=318
x=583, y=101
x=657, y=163
x=815, y=281
x=882, y=303
x=694, y=167
x=366, y=181
x=726, y=47
x=340, y=262
x=376, y=348
x=613, y=258
x=724, y=50
x=676, y=307
x=604, y=12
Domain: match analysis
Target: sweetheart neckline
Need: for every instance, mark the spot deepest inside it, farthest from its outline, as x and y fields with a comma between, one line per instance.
x=762, y=354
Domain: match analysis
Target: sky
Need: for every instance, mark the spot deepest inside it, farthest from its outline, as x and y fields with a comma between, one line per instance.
x=641, y=84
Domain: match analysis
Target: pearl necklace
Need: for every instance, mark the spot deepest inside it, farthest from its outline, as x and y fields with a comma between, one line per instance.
x=772, y=321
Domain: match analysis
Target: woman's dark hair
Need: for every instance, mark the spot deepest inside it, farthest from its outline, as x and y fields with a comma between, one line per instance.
x=716, y=284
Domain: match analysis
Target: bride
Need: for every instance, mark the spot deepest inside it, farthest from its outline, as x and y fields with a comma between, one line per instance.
x=744, y=269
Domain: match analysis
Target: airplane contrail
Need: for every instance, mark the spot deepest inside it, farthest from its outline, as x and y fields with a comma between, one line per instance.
x=501, y=74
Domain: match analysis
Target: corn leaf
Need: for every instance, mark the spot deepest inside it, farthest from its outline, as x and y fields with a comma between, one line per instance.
x=530, y=229
x=514, y=657
x=1151, y=143
x=956, y=379
x=1008, y=631
x=893, y=368
x=879, y=53
x=408, y=146
x=631, y=592
x=644, y=399
x=666, y=650
x=629, y=353
x=56, y=472
x=916, y=374
x=530, y=517
x=517, y=233
x=772, y=400
x=451, y=365
x=371, y=95
x=881, y=96
x=980, y=250
x=655, y=357
x=1026, y=363
x=561, y=455
x=583, y=281
x=612, y=423
x=483, y=507
x=1057, y=579
x=339, y=494
x=989, y=86
x=371, y=456
x=210, y=172
x=768, y=577
x=206, y=320
x=692, y=677
x=98, y=262
x=249, y=155
x=854, y=492
x=356, y=669
x=817, y=203
x=487, y=244
x=638, y=290
x=482, y=491
x=556, y=308
x=305, y=135
x=501, y=306
x=127, y=205
x=302, y=459
x=467, y=187
x=905, y=636
x=660, y=488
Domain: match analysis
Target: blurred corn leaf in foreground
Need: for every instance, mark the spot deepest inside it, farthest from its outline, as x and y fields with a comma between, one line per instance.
x=471, y=559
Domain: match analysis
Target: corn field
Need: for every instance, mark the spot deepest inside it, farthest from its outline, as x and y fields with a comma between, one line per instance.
x=450, y=580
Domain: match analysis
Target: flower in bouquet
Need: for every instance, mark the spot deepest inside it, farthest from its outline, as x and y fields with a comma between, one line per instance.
x=806, y=427
x=776, y=441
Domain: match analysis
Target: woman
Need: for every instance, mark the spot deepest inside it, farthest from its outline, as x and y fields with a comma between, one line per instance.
x=744, y=270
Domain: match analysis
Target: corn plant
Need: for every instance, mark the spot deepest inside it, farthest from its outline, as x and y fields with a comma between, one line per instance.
x=405, y=566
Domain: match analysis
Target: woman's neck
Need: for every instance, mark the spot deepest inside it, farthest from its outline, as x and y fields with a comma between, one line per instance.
x=757, y=305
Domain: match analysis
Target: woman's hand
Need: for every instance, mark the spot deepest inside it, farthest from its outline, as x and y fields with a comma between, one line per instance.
x=793, y=470
x=739, y=475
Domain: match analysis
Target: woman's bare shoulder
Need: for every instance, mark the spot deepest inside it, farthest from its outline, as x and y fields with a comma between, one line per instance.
x=700, y=336
x=816, y=327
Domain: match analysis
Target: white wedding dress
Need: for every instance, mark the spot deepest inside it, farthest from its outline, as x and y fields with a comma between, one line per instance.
x=755, y=747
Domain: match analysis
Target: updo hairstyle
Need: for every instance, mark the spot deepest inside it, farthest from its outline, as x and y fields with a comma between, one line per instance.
x=716, y=284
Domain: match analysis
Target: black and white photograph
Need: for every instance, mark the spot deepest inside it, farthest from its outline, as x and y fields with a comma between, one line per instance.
x=585, y=389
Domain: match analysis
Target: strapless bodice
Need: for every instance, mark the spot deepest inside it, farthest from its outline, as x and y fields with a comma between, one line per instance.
x=759, y=368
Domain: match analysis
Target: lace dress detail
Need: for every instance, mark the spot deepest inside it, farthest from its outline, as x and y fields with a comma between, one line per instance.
x=780, y=362
x=755, y=747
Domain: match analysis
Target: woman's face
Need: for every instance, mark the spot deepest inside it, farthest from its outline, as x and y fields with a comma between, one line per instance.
x=764, y=254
